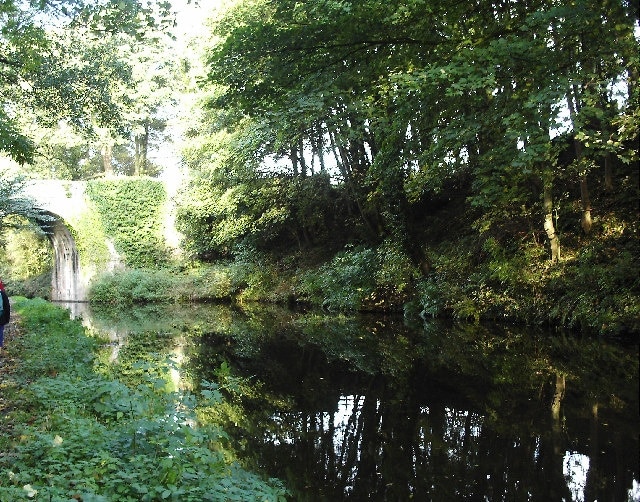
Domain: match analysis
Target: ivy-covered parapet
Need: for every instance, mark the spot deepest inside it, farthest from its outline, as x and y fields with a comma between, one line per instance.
x=131, y=211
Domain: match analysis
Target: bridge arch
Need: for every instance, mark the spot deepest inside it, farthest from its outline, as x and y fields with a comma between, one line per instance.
x=67, y=282
x=82, y=247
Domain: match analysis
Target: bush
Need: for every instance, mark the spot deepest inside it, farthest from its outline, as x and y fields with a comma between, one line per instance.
x=361, y=278
x=135, y=286
x=344, y=282
x=32, y=287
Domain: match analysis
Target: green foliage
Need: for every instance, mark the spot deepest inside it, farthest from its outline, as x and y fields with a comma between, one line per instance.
x=596, y=298
x=265, y=213
x=12, y=141
x=131, y=211
x=411, y=109
x=134, y=286
x=59, y=62
x=91, y=239
x=140, y=286
x=94, y=437
x=595, y=290
x=242, y=280
x=52, y=343
x=345, y=282
x=26, y=253
x=34, y=287
x=361, y=278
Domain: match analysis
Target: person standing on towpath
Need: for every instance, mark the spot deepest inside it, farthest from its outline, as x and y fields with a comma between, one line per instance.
x=5, y=313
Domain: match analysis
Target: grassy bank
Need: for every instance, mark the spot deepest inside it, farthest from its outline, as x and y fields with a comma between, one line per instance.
x=77, y=426
x=594, y=288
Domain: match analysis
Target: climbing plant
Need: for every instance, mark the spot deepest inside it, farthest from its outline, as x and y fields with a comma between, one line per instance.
x=131, y=212
x=90, y=236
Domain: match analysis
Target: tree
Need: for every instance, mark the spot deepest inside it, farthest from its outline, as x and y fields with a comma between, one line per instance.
x=311, y=75
x=150, y=96
x=408, y=96
x=39, y=71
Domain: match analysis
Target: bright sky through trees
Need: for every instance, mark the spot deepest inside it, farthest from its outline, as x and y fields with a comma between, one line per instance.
x=190, y=17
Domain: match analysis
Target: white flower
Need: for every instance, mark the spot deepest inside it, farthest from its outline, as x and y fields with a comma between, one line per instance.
x=57, y=441
x=30, y=491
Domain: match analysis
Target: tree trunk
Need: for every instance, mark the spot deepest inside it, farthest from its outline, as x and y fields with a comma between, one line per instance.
x=585, y=222
x=142, y=148
x=301, y=159
x=294, y=160
x=608, y=172
x=137, y=160
x=320, y=148
x=145, y=149
x=106, y=152
x=558, y=396
x=549, y=228
x=341, y=156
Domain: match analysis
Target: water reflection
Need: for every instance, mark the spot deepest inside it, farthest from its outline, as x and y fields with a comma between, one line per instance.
x=369, y=408
x=575, y=467
x=77, y=310
x=373, y=449
x=96, y=323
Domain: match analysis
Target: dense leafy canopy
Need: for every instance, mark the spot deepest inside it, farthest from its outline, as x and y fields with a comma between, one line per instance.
x=398, y=99
x=59, y=64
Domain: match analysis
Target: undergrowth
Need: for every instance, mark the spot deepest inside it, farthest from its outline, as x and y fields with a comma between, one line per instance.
x=594, y=288
x=84, y=429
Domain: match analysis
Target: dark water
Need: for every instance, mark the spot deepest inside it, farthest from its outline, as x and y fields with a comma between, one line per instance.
x=373, y=408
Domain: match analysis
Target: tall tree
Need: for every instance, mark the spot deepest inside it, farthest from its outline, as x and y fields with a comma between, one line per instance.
x=408, y=95
x=38, y=71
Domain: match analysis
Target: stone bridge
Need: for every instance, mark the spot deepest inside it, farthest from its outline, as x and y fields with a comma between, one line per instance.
x=66, y=202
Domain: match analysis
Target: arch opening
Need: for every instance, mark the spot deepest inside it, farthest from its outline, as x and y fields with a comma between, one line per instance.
x=66, y=278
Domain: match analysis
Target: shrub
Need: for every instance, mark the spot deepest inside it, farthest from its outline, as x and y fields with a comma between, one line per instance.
x=135, y=286
x=344, y=282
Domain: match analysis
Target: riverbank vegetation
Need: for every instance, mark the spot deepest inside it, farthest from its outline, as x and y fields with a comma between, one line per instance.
x=77, y=425
x=389, y=160
x=424, y=158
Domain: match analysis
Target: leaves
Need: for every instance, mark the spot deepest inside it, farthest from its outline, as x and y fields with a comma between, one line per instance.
x=131, y=212
x=93, y=436
x=59, y=61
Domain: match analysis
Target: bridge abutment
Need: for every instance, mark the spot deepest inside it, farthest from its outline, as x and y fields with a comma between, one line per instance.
x=67, y=282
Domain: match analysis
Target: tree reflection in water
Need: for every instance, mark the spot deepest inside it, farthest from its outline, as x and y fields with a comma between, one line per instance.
x=494, y=420
x=369, y=408
x=369, y=449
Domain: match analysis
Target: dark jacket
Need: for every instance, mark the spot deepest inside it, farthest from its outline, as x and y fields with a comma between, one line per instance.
x=6, y=308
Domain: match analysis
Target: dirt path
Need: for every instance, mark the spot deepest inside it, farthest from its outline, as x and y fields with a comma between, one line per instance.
x=8, y=362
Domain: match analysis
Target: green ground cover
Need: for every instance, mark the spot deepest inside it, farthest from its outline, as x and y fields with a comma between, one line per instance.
x=77, y=426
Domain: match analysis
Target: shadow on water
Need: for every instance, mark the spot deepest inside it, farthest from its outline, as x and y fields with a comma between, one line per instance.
x=373, y=408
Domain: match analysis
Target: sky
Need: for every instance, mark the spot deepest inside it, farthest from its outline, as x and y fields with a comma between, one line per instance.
x=191, y=15
x=190, y=18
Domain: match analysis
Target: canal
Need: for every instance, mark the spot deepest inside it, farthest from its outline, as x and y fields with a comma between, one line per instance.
x=365, y=407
